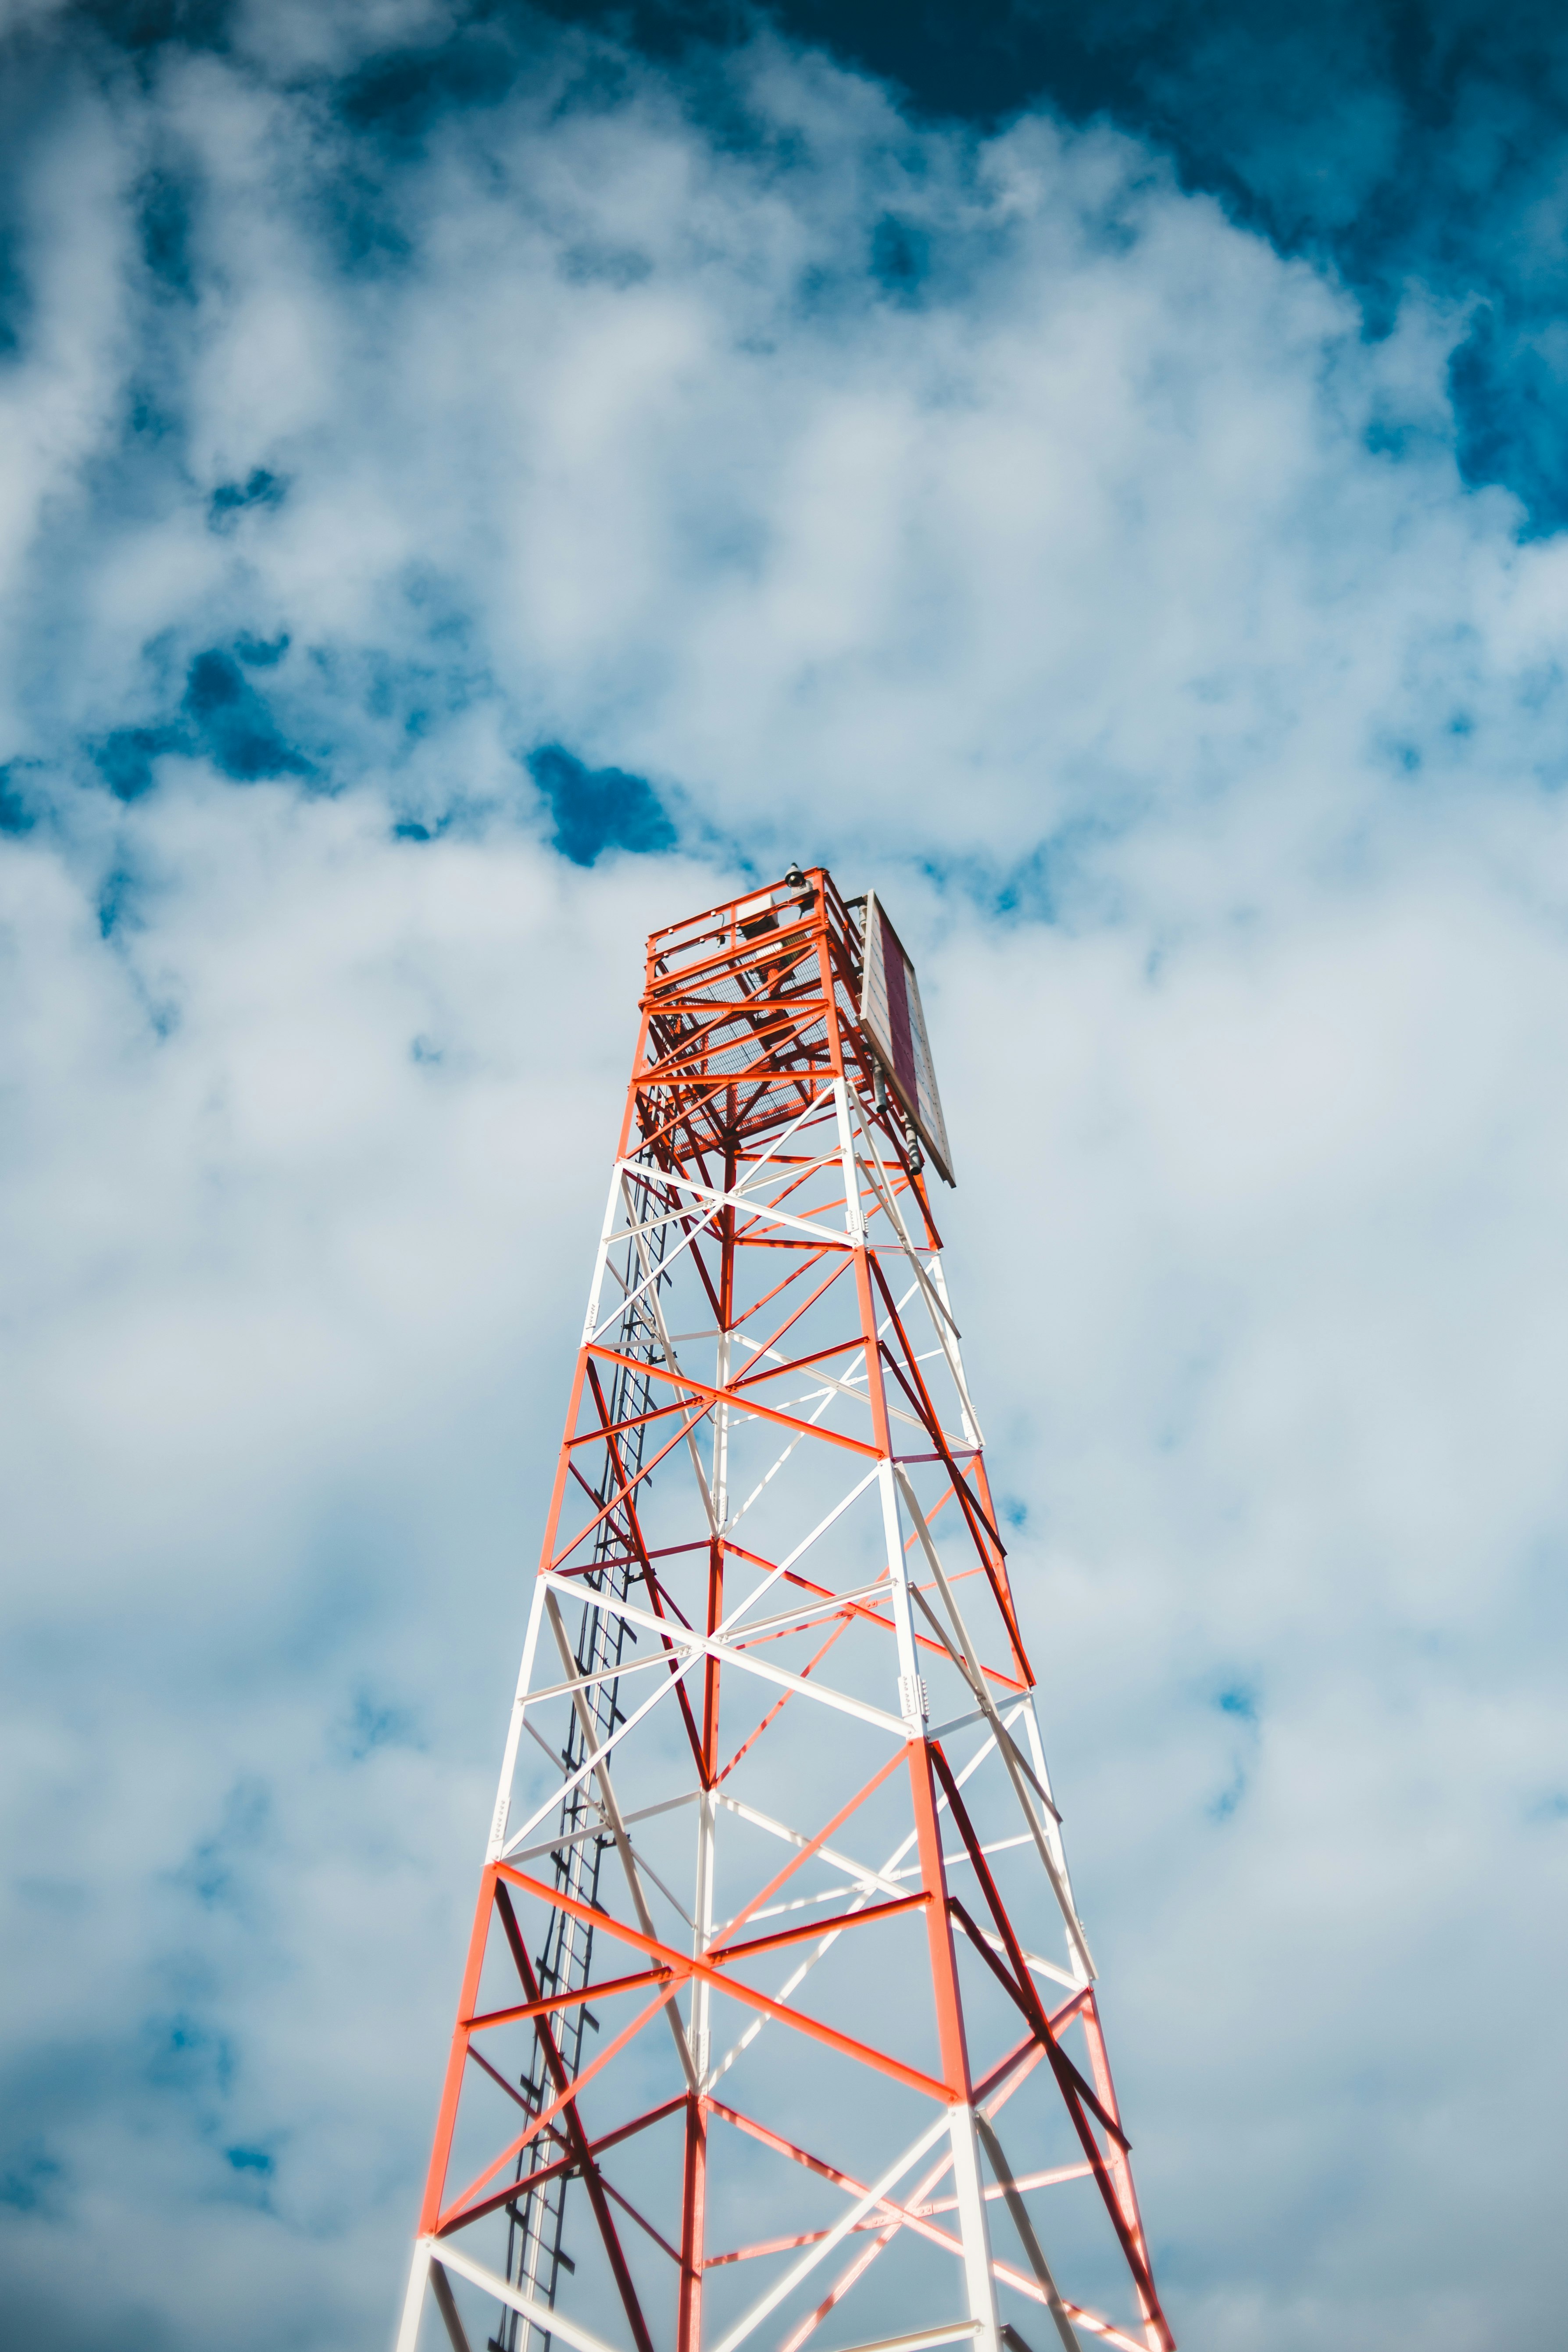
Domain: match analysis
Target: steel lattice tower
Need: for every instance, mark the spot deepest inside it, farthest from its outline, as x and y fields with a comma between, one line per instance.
x=776, y=1953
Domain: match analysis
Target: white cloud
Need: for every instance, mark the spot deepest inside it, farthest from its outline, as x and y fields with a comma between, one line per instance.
x=1078, y=568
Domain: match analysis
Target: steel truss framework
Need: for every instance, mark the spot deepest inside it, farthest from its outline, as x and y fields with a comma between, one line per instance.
x=763, y=1956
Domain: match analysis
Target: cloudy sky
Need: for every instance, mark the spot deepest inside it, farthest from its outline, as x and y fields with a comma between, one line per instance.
x=475, y=483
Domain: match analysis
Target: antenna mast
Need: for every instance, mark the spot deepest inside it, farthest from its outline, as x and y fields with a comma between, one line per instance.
x=776, y=1954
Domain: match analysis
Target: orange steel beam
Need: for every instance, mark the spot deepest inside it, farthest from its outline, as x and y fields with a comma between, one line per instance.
x=882, y=2062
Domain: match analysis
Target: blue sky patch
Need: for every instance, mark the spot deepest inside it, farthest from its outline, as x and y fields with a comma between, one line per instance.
x=595, y=808
x=234, y=726
x=404, y=94
x=16, y=815
x=114, y=901
x=184, y=2056
x=258, y=653
x=1238, y=1702
x=147, y=24
x=380, y=1723
x=124, y=757
x=15, y=301
x=165, y=226
x=28, y=2175
x=221, y=718
x=215, y=1869
x=231, y=500
x=900, y=257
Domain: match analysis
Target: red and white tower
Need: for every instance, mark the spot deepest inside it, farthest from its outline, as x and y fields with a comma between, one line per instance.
x=778, y=2026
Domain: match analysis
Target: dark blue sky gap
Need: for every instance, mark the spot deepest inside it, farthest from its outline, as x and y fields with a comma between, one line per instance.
x=1391, y=140
x=221, y=718
x=1391, y=143
x=597, y=809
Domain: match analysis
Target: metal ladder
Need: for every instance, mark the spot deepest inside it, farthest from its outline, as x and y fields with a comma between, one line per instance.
x=536, y=2255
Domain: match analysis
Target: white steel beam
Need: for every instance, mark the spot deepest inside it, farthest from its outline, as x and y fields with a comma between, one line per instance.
x=975, y=2227
x=960, y=2333
x=414, y=2297
x=542, y=2316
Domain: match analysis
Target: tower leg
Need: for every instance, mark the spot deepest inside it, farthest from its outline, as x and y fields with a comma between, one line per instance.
x=413, y=2300
x=692, y=2229
x=970, y=2192
x=979, y=2285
